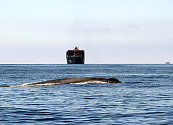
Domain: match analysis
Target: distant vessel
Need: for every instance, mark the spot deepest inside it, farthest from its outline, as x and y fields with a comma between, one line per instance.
x=167, y=63
x=75, y=56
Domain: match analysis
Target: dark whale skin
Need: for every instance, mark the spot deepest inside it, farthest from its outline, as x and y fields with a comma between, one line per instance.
x=70, y=81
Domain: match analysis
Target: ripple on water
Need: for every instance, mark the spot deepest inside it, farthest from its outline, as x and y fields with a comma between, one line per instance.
x=145, y=98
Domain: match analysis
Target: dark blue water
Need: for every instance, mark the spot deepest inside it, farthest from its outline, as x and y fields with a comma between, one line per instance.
x=145, y=97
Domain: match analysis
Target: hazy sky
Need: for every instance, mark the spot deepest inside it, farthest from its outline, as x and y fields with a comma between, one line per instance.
x=110, y=31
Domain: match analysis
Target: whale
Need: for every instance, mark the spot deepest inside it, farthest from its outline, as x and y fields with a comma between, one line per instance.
x=79, y=80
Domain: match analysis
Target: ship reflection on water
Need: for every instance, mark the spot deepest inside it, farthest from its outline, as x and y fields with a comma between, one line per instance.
x=75, y=56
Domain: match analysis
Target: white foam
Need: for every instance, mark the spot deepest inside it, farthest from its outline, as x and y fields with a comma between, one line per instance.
x=34, y=84
x=88, y=82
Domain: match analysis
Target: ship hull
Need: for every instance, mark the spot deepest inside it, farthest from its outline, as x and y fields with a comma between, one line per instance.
x=75, y=60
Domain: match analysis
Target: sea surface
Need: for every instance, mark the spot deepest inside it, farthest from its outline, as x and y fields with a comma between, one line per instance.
x=145, y=96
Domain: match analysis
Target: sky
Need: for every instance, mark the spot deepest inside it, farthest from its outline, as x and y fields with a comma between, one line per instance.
x=110, y=31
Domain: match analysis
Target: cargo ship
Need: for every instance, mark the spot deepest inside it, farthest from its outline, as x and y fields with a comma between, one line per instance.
x=75, y=56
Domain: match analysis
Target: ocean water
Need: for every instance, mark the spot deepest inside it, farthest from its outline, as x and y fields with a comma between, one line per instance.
x=144, y=97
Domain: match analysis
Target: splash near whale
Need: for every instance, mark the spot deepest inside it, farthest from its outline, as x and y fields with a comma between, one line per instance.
x=79, y=80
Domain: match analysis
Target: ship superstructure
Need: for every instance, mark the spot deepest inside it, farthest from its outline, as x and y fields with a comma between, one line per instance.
x=75, y=56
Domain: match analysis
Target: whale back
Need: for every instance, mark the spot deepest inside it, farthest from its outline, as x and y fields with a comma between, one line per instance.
x=69, y=81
